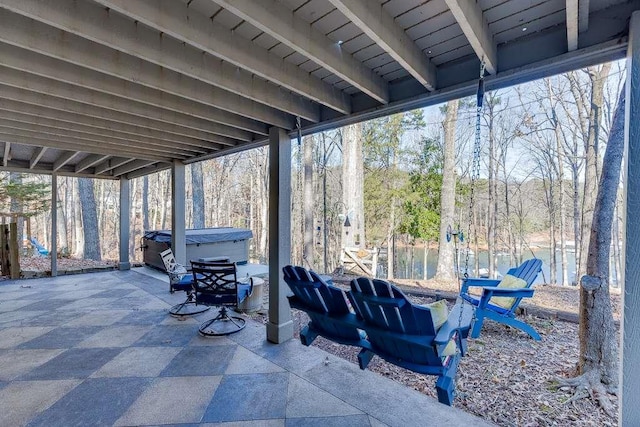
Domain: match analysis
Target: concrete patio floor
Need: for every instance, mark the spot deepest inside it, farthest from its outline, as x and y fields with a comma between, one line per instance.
x=101, y=349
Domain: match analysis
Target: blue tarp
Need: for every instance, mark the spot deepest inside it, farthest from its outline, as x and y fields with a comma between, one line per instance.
x=203, y=235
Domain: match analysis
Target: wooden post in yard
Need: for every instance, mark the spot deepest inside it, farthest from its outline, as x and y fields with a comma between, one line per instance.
x=4, y=249
x=14, y=251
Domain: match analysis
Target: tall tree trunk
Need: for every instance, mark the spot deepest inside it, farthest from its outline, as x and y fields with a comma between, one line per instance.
x=197, y=194
x=597, y=78
x=263, y=198
x=308, y=202
x=391, y=246
x=511, y=241
x=617, y=259
x=576, y=219
x=63, y=234
x=492, y=219
x=89, y=219
x=549, y=190
x=78, y=230
x=561, y=190
x=352, y=186
x=165, y=201
x=561, y=208
x=597, y=364
x=445, y=270
x=145, y=203
x=16, y=207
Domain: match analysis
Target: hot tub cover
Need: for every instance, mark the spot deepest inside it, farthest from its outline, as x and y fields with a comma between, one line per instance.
x=203, y=235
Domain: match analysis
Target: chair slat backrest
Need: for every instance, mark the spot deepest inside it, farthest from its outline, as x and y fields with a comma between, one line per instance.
x=386, y=307
x=215, y=283
x=169, y=260
x=528, y=270
x=314, y=292
x=175, y=271
x=400, y=330
x=326, y=305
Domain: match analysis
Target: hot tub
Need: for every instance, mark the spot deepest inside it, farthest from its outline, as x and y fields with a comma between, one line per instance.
x=201, y=243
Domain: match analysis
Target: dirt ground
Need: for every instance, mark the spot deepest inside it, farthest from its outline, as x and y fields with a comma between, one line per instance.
x=40, y=264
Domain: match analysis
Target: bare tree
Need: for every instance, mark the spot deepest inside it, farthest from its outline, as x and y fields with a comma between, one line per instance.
x=145, y=203
x=444, y=270
x=308, y=202
x=352, y=183
x=491, y=102
x=197, y=195
x=597, y=365
x=597, y=76
x=92, y=248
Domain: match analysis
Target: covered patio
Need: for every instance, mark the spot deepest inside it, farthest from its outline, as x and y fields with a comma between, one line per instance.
x=101, y=349
x=117, y=89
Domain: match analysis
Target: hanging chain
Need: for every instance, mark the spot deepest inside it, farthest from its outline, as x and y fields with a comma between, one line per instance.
x=475, y=166
x=475, y=175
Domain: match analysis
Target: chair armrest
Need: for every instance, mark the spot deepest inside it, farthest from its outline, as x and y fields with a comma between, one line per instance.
x=476, y=281
x=493, y=291
x=455, y=323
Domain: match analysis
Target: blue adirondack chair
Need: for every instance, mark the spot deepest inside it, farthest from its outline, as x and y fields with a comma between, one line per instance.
x=404, y=334
x=41, y=249
x=527, y=271
x=326, y=306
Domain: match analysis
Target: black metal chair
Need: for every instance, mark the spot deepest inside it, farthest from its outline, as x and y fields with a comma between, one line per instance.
x=216, y=284
x=180, y=280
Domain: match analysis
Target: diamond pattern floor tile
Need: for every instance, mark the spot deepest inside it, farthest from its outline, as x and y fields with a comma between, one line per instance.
x=138, y=362
x=12, y=337
x=247, y=362
x=95, y=402
x=143, y=317
x=47, y=304
x=306, y=400
x=23, y=400
x=98, y=318
x=157, y=405
x=14, y=363
x=73, y=363
x=61, y=337
x=173, y=336
x=347, y=421
x=115, y=336
x=193, y=361
x=11, y=305
x=49, y=318
x=249, y=397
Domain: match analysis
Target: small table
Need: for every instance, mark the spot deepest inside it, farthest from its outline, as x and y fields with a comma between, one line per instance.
x=254, y=301
x=252, y=270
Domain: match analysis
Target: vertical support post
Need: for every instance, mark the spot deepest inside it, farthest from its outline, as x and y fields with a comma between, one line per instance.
x=125, y=219
x=178, y=237
x=14, y=250
x=280, y=326
x=630, y=325
x=54, y=225
x=5, y=265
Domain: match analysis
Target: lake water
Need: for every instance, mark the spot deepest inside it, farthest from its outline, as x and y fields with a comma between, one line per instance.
x=409, y=263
